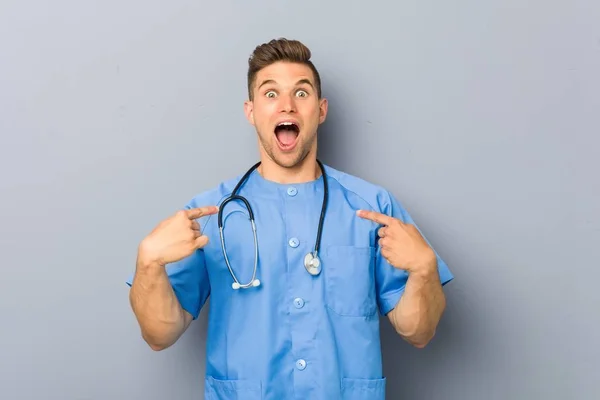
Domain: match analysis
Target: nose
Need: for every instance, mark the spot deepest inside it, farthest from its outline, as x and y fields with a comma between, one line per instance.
x=287, y=103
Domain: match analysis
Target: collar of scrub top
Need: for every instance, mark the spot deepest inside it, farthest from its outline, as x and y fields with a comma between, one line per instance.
x=312, y=263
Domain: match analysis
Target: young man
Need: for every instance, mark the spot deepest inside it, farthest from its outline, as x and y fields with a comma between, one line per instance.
x=286, y=321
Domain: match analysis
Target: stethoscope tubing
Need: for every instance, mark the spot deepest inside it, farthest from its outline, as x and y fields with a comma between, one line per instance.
x=234, y=196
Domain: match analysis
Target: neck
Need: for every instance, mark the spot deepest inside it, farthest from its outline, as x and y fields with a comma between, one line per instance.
x=307, y=170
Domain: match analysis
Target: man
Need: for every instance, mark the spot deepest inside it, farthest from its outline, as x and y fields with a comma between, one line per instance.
x=288, y=322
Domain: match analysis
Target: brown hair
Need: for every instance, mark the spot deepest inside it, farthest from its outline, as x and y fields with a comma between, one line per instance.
x=280, y=50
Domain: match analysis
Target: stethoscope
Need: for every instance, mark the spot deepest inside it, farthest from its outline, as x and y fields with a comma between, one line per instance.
x=312, y=263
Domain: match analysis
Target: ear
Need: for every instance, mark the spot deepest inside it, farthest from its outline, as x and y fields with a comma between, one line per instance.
x=249, y=111
x=323, y=104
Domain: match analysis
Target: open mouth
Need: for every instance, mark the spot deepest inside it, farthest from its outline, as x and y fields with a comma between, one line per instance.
x=287, y=133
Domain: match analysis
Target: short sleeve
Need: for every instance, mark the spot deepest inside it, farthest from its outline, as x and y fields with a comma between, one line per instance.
x=190, y=282
x=391, y=281
x=189, y=279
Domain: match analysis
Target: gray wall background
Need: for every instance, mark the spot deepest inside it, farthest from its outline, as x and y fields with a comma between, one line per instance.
x=482, y=117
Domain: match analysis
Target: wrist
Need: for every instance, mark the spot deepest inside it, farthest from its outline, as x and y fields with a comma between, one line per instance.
x=426, y=270
x=148, y=266
x=146, y=260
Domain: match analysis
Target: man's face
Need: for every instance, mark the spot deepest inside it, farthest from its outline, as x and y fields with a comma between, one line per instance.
x=286, y=112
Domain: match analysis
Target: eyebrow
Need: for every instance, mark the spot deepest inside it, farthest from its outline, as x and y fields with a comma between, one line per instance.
x=300, y=82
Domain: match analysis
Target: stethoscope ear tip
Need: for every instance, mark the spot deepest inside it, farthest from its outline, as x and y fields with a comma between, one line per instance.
x=236, y=285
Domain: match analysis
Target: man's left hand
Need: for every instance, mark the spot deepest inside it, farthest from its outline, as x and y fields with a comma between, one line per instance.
x=402, y=245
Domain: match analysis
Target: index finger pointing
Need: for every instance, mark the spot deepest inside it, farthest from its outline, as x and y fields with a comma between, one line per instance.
x=198, y=212
x=375, y=216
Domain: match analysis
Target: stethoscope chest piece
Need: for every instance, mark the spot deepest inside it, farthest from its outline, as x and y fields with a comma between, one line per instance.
x=312, y=264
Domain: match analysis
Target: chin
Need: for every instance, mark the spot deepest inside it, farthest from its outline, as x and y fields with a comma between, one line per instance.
x=288, y=160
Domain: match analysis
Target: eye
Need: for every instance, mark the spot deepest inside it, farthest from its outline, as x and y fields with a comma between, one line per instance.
x=270, y=94
x=301, y=93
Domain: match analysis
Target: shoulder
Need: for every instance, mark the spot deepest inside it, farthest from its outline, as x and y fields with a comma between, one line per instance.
x=376, y=196
x=214, y=195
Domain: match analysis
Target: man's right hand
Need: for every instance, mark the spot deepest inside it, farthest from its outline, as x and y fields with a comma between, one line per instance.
x=175, y=238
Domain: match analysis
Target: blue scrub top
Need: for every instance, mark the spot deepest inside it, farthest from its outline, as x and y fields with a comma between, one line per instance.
x=296, y=336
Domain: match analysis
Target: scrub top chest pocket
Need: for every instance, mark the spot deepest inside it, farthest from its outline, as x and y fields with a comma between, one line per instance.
x=350, y=280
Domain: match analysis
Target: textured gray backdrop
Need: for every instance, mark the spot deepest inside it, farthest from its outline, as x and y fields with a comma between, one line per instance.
x=482, y=117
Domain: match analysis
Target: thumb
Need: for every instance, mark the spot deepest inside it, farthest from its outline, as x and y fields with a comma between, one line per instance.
x=201, y=241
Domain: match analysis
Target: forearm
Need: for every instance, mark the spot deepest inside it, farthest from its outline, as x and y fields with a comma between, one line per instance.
x=159, y=314
x=420, y=308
